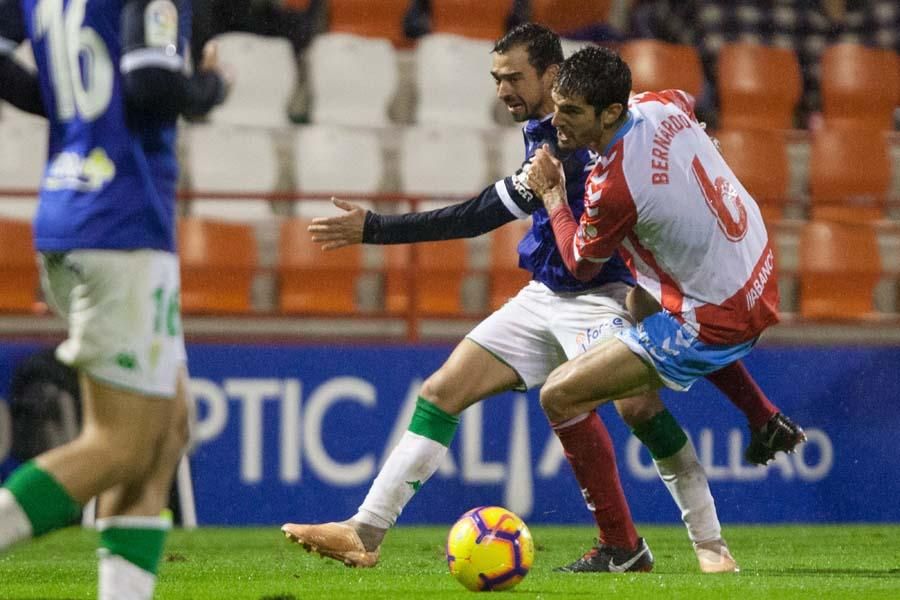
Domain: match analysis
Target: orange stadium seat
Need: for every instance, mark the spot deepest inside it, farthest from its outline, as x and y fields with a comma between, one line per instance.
x=382, y=19
x=759, y=159
x=484, y=19
x=18, y=267
x=218, y=263
x=507, y=278
x=839, y=269
x=314, y=281
x=860, y=86
x=849, y=175
x=659, y=66
x=438, y=278
x=759, y=86
x=564, y=16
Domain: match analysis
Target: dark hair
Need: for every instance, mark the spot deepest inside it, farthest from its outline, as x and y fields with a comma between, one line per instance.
x=597, y=75
x=541, y=43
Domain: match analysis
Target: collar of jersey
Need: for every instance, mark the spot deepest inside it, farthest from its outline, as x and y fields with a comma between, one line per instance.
x=624, y=129
x=538, y=124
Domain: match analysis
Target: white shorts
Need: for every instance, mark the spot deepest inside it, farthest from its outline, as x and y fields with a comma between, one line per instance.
x=538, y=329
x=124, y=316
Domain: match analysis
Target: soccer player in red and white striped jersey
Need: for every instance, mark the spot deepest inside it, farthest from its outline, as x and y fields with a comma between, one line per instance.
x=662, y=195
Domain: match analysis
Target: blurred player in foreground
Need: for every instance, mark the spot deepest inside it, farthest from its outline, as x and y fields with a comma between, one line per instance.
x=518, y=346
x=660, y=193
x=111, y=81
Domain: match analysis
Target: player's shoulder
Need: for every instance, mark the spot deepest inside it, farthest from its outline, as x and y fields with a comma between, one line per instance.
x=664, y=102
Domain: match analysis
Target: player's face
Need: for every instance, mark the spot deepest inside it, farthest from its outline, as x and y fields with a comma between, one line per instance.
x=577, y=123
x=519, y=87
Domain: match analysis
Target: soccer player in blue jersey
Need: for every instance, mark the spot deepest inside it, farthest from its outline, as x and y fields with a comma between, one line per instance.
x=520, y=344
x=111, y=81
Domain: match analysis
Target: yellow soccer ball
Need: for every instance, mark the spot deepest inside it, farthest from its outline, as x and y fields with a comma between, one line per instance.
x=489, y=548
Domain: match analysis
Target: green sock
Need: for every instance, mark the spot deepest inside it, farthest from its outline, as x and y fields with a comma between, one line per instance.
x=433, y=423
x=139, y=540
x=661, y=434
x=46, y=503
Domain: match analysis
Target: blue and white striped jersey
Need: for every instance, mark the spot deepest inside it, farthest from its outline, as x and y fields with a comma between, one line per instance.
x=111, y=173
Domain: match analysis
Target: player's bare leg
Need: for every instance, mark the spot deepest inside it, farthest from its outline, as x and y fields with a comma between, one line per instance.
x=117, y=445
x=681, y=472
x=132, y=530
x=771, y=431
x=469, y=375
x=606, y=372
x=611, y=371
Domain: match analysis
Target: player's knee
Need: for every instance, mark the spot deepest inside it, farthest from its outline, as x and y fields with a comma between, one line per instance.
x=554, y=399
x=440, y=391
x=635, y=411
x=124, y=462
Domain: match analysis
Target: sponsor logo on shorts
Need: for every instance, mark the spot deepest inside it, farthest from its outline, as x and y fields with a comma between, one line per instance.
x=127, y=361
x=592, y=335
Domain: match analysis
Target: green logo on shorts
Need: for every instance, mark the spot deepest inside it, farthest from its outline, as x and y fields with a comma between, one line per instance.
x=127, y=360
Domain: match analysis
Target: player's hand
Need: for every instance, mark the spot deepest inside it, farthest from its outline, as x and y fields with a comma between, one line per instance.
x=546, y=172
x=343, y=230
x=210, y=63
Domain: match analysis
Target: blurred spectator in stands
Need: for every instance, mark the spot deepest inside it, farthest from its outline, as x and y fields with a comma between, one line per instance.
x=291, y=19
x=805, y=26
x=417, y=22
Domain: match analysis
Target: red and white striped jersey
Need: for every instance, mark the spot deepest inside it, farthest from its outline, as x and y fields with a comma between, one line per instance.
x=694, y=238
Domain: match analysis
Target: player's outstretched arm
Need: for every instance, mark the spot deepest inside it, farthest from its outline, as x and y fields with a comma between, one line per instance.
x=343, y=230
x=496, y=205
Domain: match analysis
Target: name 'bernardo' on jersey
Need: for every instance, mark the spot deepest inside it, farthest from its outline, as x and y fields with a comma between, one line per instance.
x=662, y=140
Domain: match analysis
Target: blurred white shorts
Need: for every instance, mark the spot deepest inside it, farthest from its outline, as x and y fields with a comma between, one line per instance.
x=124, y=316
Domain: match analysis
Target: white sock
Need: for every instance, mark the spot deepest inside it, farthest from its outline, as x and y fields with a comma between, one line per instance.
x=122, y=580
x=686, y=480
x=14, y=523
x=411, y=463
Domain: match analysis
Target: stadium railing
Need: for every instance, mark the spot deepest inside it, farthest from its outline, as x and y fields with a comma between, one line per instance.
x=395, y=294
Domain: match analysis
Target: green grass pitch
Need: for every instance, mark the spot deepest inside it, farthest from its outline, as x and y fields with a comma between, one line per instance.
x=219, y=564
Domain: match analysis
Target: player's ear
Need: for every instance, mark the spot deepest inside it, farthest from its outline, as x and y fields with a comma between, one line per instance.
x=611, y=114
x=550, y=74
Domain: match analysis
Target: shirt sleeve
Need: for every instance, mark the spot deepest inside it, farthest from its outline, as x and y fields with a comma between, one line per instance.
x=498, y=204
x=152, y=36
x=683, y=100
x=609, y=214
x=154, y=64
x=12, y=26
x=18, y=85
x=471, y=218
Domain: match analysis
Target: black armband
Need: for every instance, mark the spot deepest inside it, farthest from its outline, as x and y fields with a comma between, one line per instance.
x=153, y=67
